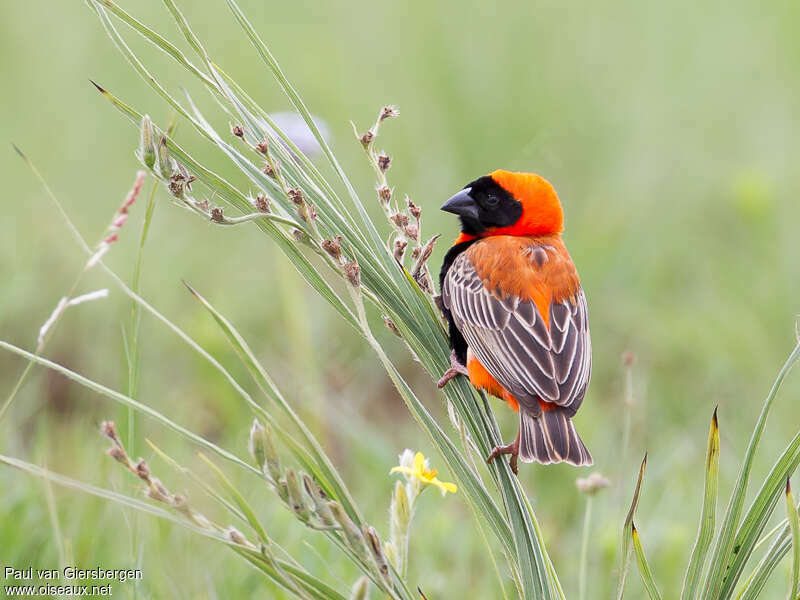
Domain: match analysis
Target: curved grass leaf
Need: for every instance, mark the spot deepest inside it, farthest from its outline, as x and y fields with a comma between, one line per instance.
x=138, y=406
x=794, y=525
x=627, y=531
x=707, y=515
x=644, y=567
x=758, y=515
x=727, y=535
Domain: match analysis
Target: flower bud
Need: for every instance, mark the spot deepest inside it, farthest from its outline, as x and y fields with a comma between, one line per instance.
x=296, y=500
x=257, y=444
x=401, y=514
x=164, y=161
x=321, y=508
x=265, y=440
x=360, y=589
x=375, y=546
x=352, y=534
x=237, y=537
x=147, y=149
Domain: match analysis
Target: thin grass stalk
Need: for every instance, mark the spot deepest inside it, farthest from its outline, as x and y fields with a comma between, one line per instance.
x=126, y=401
x=584, y=556
x=133, y=351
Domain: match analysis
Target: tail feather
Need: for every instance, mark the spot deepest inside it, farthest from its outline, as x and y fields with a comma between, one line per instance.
x=550, y=437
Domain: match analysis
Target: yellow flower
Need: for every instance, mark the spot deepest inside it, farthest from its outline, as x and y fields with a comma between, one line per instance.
x=425, y=474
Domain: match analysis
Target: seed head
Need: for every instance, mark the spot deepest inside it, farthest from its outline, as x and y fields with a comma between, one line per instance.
x=367, y=138
x=301, y=236
x=262, y=203
x=399, y=219
x=412, y=231
x=413, y=208
x=333, y=247
x=263, y=146
x=591, y=484
x=387, y=112
x=296, y=196
x=216, y=215
x=238, y=131
x=268, y=170
x=384, y=162
x=353, y=273
x=118, y=454
x=142, y=470
x=391, y=326
x=384, y=194
x=109, y=430
x=399, y=249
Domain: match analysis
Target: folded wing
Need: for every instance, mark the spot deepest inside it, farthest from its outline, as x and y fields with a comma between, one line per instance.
x=512, y=340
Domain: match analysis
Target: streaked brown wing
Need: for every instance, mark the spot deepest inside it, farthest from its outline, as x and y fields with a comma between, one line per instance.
x=512, y=341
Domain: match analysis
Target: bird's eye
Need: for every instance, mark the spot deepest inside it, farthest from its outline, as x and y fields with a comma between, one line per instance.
x=492, y=200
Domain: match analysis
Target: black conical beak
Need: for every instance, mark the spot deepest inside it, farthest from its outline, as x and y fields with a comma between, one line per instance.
x=462, y=205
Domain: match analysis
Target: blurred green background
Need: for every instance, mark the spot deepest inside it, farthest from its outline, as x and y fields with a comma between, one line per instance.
x=670, y=132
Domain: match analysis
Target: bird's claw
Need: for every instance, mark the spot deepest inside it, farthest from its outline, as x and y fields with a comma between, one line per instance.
x=456, y=368
x=512, y=449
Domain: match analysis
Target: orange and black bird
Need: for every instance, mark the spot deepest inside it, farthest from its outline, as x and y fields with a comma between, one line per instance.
x=519, y=327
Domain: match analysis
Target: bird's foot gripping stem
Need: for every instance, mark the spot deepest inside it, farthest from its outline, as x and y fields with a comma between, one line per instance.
x=456, y=368
x=512, y=449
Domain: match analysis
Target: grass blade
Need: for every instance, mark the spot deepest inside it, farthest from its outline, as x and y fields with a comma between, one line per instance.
x=707, y=515
x=725, y=541
x=794, y=524
x=125, y=400
x=240, y=501
x=758, y=515
x=322, y=466
x=627, y=531
x=644, y=567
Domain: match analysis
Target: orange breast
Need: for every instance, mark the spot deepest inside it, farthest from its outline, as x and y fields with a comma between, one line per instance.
x=537, y=269
x=531, y=268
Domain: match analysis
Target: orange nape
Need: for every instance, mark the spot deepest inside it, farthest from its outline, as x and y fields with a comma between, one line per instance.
x=541, y=209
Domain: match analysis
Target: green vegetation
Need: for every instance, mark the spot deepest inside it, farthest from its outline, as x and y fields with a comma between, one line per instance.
x=678, y=184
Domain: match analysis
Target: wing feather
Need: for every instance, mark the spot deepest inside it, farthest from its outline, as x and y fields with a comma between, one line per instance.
x=511, y=339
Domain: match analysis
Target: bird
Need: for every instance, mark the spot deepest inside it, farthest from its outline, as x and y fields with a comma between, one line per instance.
x=517, y=314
